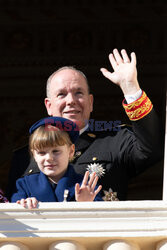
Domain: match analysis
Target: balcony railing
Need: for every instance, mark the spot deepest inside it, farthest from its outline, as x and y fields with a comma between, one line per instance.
x=121, y=225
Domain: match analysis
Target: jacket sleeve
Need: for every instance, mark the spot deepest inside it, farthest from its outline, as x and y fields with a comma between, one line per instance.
x=143, y=146
x=148, y=141
x=22, y=164
x=21, y=192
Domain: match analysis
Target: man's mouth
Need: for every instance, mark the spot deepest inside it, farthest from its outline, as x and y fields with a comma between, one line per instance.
x=72, y=112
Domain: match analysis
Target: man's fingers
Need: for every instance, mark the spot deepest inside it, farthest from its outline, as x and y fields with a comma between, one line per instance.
x=113, y=62
x=133, y=58
x=117, y=56
x=125, y=56
x=106, y=73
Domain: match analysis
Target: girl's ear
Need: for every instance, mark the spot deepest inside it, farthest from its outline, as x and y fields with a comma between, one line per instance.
x=71, y=152
x=32, y=154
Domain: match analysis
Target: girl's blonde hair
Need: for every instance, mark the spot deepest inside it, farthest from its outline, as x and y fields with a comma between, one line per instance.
x=48, y=136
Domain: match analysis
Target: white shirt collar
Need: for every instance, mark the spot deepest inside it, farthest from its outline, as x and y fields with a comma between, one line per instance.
x=83, y=129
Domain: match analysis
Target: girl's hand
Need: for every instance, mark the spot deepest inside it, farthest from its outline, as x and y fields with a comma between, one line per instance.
x=29, y=203
x=87, y=190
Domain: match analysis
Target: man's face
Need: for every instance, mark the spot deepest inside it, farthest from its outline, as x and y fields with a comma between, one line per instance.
x=69, y=97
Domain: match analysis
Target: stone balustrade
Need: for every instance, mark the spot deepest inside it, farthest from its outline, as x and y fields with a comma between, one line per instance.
x=119, y=225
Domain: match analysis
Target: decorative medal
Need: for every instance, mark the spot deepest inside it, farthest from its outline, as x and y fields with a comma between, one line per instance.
x=97, y=168
x=77, y=154
x=110, y=195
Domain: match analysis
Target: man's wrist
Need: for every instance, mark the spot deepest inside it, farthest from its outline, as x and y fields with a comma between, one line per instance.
x=134, y=97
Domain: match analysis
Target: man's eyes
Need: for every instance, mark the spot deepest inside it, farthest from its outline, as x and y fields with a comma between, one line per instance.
x=79, y=93
x=60, y=94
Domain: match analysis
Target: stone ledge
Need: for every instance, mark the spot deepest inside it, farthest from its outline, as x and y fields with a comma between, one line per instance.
x=87, y=219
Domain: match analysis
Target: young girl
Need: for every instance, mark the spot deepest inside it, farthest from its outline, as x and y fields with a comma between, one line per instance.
x=52, y=146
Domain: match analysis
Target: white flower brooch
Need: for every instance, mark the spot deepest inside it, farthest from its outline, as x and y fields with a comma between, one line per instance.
x=97, y=168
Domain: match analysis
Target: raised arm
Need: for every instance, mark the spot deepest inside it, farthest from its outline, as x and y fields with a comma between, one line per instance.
x=141, y=148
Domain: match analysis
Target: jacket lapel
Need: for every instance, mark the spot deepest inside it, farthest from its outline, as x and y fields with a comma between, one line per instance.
x=43, y=189
x=82, y=143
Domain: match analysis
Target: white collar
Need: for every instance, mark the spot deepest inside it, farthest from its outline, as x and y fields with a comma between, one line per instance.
x=83, y=129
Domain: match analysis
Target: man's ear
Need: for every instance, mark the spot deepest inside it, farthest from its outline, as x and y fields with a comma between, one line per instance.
x=48, y=106
x=91, y=102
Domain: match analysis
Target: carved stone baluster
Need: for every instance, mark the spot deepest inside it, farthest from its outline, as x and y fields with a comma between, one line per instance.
x=67, y=245
x=121, y=245
x=162, y=245
x=13, y=246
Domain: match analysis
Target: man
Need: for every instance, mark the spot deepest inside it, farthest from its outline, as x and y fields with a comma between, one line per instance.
x=115, y=154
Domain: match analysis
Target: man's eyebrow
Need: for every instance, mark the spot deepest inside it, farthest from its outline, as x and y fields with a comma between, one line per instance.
x=79, y=88
x=64, y=89
x=60, y=89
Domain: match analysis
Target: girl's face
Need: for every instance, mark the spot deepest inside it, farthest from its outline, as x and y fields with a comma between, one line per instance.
x=53, y=161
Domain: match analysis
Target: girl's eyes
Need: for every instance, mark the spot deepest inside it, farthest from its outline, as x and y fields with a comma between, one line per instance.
x=41, y=152
x=55, y=151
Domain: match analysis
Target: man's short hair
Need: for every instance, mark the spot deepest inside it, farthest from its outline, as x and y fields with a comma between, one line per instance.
x=60, y=69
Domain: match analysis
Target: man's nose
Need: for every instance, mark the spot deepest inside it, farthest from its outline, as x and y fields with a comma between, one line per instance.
x=70, y=99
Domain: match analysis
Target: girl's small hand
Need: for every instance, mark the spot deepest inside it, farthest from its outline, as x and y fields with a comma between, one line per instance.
x=87, y=190
x=29, y=203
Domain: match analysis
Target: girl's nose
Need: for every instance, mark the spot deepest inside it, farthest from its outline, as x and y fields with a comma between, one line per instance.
x=50, y=156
